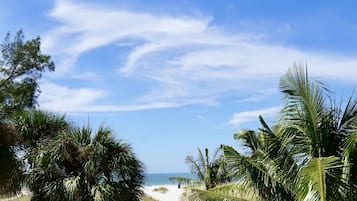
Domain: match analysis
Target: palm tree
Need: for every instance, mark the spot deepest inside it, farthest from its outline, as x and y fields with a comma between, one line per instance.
x=211, y=172
x=310, y=154
x=82, y=165
x=36, y=128
x=258, y=172
x=322, y=131
x=21, y=132
x=11, y=168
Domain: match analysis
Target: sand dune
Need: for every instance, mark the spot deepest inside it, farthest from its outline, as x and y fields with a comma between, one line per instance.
x=173, y=193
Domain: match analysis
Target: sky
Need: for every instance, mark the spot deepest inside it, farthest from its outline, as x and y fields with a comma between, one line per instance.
x=172, y=76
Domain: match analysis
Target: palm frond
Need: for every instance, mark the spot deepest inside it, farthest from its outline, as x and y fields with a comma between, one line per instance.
x=71, y=185
x=249, y=139
x=195, y=167
x=313, y=177
x=304, y=108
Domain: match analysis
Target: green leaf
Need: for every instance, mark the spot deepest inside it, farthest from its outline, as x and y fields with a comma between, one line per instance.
x=314, y=176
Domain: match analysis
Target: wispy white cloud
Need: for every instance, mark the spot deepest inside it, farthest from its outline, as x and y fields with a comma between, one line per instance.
x=186, y=59
x=248, y=116
x=84, y=76
x=85, y=27
x=66, y=99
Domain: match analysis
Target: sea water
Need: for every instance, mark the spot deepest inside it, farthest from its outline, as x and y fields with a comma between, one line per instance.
x=163, y=178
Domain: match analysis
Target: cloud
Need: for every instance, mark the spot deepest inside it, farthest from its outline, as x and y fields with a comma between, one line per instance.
x=249, y=116
x=64, y=99
x=182, y=59
x=85, y=27
x=59, y=98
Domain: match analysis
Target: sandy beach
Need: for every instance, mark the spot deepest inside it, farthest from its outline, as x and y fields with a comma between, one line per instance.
x=173, y=193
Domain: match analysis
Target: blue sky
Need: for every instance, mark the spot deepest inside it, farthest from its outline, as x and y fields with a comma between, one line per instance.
x=173, y=76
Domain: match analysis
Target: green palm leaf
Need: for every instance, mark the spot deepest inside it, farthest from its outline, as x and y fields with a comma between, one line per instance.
x=249, y=139
x=313, y=177
x=304, y=108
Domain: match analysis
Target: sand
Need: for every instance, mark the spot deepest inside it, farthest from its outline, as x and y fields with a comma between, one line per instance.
x=173, y=193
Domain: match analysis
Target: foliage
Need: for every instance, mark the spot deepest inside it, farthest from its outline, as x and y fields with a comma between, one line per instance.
x=11, y=171
x=23, y=134
x=11, y=168
x=308, y=155
x=21, y=65
x=81, y=165
x=211, y=171
x=36, y=126
x=209, y=195
x=231, y=191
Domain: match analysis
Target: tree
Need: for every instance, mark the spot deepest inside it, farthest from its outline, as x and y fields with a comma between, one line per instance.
x=310, y=154
x=36, y=128
x=322, y=131
x=23, y=133
x=11, y=168
x=21, y=65
x=262, y=172
x=81, y=165
x=211, y=171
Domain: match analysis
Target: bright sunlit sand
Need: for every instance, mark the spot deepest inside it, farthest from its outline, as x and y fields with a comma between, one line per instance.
x=173, y=193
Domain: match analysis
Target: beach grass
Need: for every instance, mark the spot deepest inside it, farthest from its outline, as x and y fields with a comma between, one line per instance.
x=148, y=198
x=161, y=189
x=22, y=198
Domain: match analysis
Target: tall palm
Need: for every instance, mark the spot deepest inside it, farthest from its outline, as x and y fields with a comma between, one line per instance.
x=82, y=165
x=211, y=171
x=308, y=156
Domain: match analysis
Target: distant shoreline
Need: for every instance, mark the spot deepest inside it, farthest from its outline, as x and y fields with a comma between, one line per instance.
x=152, y=179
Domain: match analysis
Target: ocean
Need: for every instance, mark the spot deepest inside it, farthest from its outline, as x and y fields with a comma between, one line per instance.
x=163, y=178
